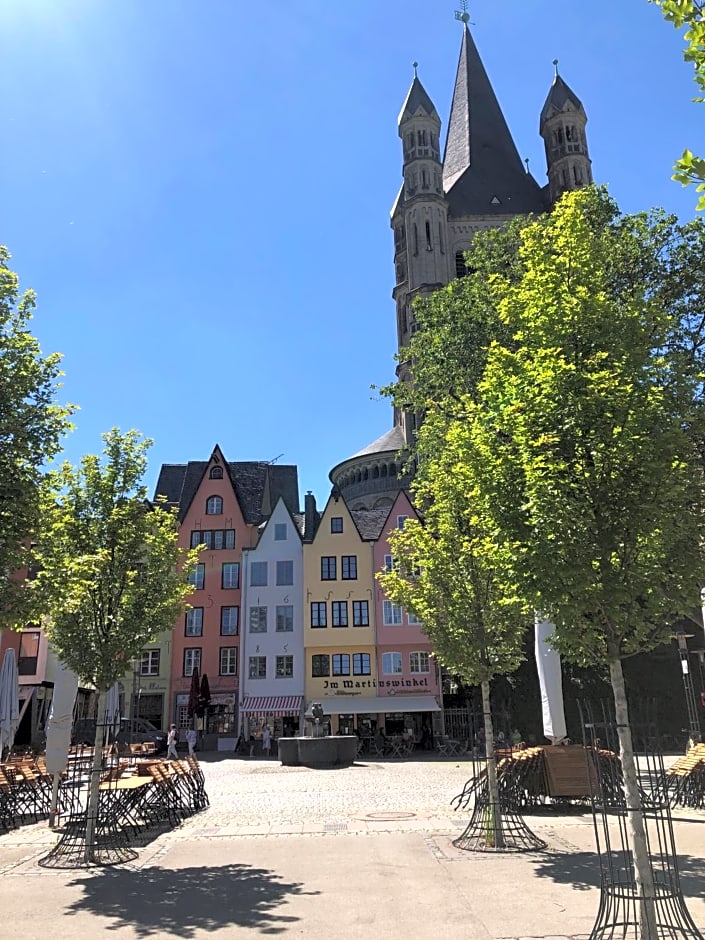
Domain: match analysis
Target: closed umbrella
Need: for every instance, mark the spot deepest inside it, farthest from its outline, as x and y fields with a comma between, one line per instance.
x=548, y=664
x=59, y=729
x=9, y=701
x=111, y=711
x=194, y=694
x=204, y=696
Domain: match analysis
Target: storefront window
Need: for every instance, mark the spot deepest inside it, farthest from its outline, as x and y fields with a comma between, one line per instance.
x=221, y=719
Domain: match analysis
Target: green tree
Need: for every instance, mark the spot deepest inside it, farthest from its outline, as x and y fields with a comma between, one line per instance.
x=448, y=571
x=587, y=440
x=112, y=576
x=690, y=14
x=31, y=427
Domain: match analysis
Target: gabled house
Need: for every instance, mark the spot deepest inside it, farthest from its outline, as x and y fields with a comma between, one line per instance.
x=272, y=636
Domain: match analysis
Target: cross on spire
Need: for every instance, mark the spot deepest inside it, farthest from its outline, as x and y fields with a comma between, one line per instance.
x=463, y=14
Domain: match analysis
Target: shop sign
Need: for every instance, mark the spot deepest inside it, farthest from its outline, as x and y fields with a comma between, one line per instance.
x=399, y=684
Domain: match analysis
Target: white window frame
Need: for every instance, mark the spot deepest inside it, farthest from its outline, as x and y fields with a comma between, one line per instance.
x=150, y=659
x=285, y=615
x=192, y=660
x=392, y=614
x=237, y=620
x=390, y=662
x=229, y=660
x=286, y=663
x=230, y=566
x=415, y=661
x=197, y=578
x=257, y=619
x=253, y=667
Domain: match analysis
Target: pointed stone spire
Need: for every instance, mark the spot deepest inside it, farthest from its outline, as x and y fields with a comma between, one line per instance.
x=559, y=95
x=417, y=98
x=482, y=170
x=563, y=128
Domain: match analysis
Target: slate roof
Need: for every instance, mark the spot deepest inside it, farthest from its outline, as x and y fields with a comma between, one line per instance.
x=482, y=170
x=417, y=98
x=369, y=522
x=257, y=486
x=559, y=94
x=390, y=441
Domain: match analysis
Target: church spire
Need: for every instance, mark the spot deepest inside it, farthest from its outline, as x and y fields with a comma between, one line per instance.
x=562, y=126
x=482, y=170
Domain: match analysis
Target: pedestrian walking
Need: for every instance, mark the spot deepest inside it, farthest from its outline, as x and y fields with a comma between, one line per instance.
x=171, y=744
x=191, y=739
x=266, y=742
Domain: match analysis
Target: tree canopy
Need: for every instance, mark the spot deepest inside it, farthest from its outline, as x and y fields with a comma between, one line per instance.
x=32, y=424
x=690, y=15
x=112, y=576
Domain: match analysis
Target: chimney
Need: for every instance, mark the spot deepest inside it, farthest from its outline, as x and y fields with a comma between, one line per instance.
x=310, y=516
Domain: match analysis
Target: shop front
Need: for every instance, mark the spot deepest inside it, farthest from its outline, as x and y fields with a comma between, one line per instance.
x=394, y=714
x=280, y=713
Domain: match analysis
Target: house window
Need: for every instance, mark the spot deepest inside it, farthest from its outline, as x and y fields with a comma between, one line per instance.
x=280, y=532
x=194, y=622
x=392, y=614
x=28, y=653
x=336, y=525
x=213, y=538
x=258, y=667
x=216, y=473
x=285, y=573
x=348, y=565
x=391, y=664
x=320, y=666
x=258, y=619
x=341, y=664
x=400, y=521
x=229, y=621
x=285, y=618
x=388, y=563
x=192, y=660
x=284, y=667
x=328, y=571
x=318, y=614
x=214, y=506
x=361, y=614
x=419, y=662
x=340, y=613
x=361, y=664
x=413, y=619
x=197, y=577
x=228, y=660
x=149, y=662
x=258, y=574
x=231, y=575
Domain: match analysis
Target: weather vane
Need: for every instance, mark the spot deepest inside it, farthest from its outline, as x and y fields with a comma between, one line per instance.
x=463, y=14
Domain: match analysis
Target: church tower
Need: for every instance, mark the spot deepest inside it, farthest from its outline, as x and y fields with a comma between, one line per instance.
x=562, y=127
x=480, y=183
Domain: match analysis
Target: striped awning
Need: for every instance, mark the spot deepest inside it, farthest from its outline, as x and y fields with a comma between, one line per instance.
x=273, y=704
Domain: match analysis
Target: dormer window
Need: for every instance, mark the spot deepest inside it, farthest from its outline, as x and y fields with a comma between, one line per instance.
x=214, y=506
x=216, y=473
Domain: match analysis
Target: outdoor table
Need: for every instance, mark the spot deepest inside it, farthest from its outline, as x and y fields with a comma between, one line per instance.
x=119, y=799
x=395, y=745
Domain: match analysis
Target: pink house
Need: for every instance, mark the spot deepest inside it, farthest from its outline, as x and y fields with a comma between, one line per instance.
x=406, y=668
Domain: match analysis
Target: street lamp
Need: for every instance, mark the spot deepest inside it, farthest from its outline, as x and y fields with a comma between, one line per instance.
x=136, y=692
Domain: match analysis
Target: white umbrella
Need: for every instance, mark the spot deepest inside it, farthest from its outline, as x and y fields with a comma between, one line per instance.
x=9, y=701
x=59, y=728
x=111, y=711
x=548, y=664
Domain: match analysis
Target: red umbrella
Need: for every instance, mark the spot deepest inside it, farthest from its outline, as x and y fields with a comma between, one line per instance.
x=194, y=694
x=204, y=697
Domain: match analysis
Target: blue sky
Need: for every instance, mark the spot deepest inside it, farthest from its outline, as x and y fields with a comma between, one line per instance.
x=199, y=191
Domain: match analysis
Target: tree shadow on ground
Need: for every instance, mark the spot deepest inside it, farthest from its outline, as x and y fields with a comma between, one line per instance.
x=582, y=871
x=179, y=902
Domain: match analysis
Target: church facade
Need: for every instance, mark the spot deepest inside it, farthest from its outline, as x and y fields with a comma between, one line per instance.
x=480, y=182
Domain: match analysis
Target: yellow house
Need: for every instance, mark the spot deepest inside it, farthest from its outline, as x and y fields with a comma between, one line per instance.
x=146, y=685
x=339, y=617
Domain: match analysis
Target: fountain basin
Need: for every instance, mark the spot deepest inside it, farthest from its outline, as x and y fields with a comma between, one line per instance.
x=336, y=750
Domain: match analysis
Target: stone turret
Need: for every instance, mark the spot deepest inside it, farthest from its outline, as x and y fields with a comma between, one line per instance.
x=562, y=127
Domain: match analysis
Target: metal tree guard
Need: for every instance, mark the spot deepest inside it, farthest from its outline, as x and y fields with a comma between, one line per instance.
x=620, y=899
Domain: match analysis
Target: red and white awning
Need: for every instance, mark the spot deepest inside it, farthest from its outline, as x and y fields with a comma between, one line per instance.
x=273, y=704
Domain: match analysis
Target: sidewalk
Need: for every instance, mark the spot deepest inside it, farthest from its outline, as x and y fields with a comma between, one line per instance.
x=370, y=871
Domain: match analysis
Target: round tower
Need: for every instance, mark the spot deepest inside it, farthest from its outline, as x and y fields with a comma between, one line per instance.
x=562, y=127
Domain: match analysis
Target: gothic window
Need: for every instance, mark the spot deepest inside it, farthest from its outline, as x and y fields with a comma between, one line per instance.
x=424, y=179
x=440, y=238
x=429, y=244
x=416, y=239
x=422, y=139
x=214, y=506
x=461, y=269
x=216, y=473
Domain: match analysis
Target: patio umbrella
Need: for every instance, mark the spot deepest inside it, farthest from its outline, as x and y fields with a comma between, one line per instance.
x=9, y=701
x=111, y=711
x=194, y=694
x=59, y=729
x=548, y=664
x=204, y=696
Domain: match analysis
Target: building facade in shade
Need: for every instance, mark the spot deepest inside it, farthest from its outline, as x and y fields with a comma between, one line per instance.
x=272, y=635
x=479, y=182
x=220, y=505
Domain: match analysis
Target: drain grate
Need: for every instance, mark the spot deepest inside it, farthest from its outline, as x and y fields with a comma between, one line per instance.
x=335, y=827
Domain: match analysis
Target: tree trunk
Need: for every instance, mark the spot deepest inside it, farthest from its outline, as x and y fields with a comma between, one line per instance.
x=495, y=809
x=94, y=792
x=636, y=829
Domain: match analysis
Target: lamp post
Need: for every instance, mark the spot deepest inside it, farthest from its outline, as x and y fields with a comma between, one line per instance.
x=136, y=691
x=694, y=731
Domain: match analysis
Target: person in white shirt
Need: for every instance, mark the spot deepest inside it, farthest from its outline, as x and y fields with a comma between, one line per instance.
x=191, y=738
x=171, y=744
x=266, y=741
